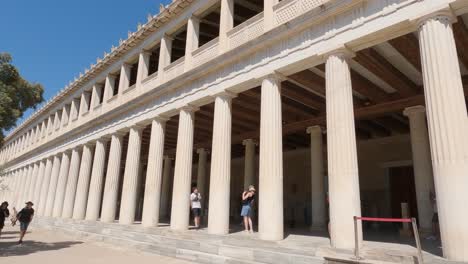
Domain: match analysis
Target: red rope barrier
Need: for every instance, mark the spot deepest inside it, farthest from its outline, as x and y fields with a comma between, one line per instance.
x=401, y=220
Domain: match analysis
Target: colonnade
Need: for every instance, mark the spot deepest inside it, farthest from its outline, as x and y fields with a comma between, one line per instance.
x=71, y=184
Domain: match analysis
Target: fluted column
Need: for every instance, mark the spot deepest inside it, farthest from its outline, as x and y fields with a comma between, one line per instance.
x=342, y=154
x=201, y=172
x=20, y=189
x=70, y=191
x=448, y=130
x=183, y=170
x=26, y=195
x=249, y=163
x=153, y=182
x=226, y=23
x=422, y=166
x=218, y=215
x=111, y=187
x=143, y=65
x=192, y=39
x=61, y=184
x=131, y=179
x=166, y=187
x=271, y=161
x=45, y=187
x=33, y=181
x=40, y=176
x=81, y=197
x=318, y=189
x=52, y=186
x=97, y=180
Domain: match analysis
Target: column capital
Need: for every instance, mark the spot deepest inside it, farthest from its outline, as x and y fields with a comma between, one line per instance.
x=273, y=76
x=342, y=52
x=249, y=141
x=119, y=133
x=202, y=150
x=189, y=108
x=194, y=18
x=224, y=94
x=168, y=37
x=161, y=118
x=446, y=15
x=146, y=52
x=314, y=130
x=410, y=111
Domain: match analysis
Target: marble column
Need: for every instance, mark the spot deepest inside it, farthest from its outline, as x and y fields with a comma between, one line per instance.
x=153, y=182
x=448, y=130
x=26, y=194
x=61, y=184
x=183, y=170
x=82, y=189
x=201, y=173
x=143, y=65
x=268, y=14
x=45, y=187
x=131, y=179
x=220, y=174
x=226, y=23
x=164, y=56
x=111, y=187
x=70, y=191
x=343, y=173
x=191, y=44
x=422, y=166
x=97, y=180
x=166, y=187
x=317, y=178
x=270, y=222
x=40, y=176
x=124, y=80
x=19, y=194
x=249, y=163
x=52, y=186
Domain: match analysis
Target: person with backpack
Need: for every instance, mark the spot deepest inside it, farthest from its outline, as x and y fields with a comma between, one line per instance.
x=248, y=197
x=25, y=217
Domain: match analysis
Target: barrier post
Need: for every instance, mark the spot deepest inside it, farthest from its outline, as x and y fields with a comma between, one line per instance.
x=356, y=239
x=418, y=242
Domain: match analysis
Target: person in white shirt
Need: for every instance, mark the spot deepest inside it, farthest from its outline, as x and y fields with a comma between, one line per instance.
x=195, y=202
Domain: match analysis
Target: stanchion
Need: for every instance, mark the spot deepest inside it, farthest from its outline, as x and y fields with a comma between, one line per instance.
x=399, y=220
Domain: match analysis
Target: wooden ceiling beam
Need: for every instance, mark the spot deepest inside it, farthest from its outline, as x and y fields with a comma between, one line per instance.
x=309, y=81
x=368, y=89
x=379, y=66
x=289, y=91
x=408, y=47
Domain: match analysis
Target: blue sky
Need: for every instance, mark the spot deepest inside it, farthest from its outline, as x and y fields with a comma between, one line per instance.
x=51, y=41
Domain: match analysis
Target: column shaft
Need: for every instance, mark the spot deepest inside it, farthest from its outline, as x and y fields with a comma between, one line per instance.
x=131, y=179
x=143, y=65
x=342, y=154
x=166, y=187
x=97, y=181
x=111, y=187
x=183, y=171
x=34, y=175
x=318, y=189
x=271, y=161
x=45, y=188
x=52, y=186
x=72, y=181
x=249, y=163
x=226, y=22
x=448, y=127
x=201, y=173
x=153, y=182
x=61, y=185
x=81, y=198
x=218, y=216
x=40, y=176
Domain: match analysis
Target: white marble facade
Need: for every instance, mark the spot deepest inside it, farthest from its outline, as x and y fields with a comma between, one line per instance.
x=58, y=156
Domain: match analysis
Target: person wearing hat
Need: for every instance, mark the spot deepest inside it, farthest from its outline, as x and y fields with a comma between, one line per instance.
x=25, y=217
x=248, y=198
x=4, y=213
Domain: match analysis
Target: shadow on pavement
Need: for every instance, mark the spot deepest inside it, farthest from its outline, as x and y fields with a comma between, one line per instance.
x=10, y=248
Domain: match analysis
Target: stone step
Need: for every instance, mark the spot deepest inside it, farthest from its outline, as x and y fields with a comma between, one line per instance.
x=201, y=249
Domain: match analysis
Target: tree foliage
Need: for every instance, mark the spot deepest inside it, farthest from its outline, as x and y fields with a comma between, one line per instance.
x=16, y=94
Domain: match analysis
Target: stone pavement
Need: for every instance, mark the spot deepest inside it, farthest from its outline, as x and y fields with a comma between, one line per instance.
x=45, y=246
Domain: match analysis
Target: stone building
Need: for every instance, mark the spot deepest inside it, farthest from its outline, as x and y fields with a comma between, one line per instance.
x=332, y=108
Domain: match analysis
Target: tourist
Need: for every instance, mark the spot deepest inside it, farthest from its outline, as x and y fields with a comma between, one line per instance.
x=25, y=217
x=248, y=198
x=195, y=199
x=4, y=213
x=435, y=217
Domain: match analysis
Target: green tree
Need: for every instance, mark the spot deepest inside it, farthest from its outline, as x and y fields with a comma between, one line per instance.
x=16, y=95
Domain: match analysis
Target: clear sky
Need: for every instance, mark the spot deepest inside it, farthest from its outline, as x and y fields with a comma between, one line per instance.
x=52, y=41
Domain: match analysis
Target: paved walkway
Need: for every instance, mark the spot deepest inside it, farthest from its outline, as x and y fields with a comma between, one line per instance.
x=42, y=246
